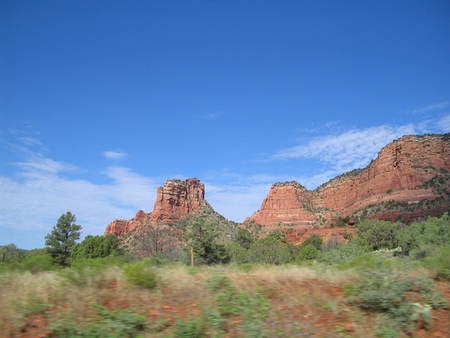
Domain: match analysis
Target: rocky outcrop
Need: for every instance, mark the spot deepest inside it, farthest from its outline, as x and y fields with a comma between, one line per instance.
x=287, y=202
x=175, y=200
x=409, y=177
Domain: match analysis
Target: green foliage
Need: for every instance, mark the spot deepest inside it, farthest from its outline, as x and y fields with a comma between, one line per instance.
x=37, y=262
x=218, y=282
x=255, y=310
x=315, y=241
x=61, y=240
x=10, y=254
x=202, y=238
x=97, y=246
x=433, y=232
x=34, y=305
x=439, y=262
x=238, y=253
x=141, y=274
x=378, y=234
x=364, y=262
x=343, y=253
x=307, y=252
x=189, y=328
x=113, y=324
x=244, y=238
x=385, y=291
x=231, y=302
x=270, y=250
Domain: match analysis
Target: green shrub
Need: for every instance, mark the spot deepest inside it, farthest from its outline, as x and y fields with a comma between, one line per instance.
x=308, y=252
x=439, y=262
x=189, y=328
x=218, y=282
x=99, y=263
x=37, y=263
x=238, y=253
x=244, y=238
x=255, y=309
x=418, y=237
x=270, y=250
x=97, y=246
x=343, y=253
x=113, y=324
x=364, y=262
x=315, y=241
x=141, y=274
x=378, y=234
x=10, y=253
x=385, y=291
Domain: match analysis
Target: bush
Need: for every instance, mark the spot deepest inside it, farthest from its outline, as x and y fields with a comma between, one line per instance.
x=202, y=239
x=113, y=324
x=385, y=291
x=378, y=234
x=238, y=253
x=439, y=262
x=364, y=262
x=315, y=241
x=97, y=246
x=418, y=236
x=244, y=238
x=189, y=328
x=37, y=263
x=270, y=250
x=343, y=253
x=141, y=274
x=306, y=253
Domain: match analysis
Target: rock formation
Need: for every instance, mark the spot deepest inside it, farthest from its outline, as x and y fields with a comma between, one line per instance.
x=409, y=179
x=175, y=200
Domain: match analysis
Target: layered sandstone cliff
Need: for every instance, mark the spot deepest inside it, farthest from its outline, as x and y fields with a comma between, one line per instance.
x=175, y=200
x=409, y=177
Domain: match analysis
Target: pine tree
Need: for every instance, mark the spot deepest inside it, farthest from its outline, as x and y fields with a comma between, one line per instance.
x=61, y=240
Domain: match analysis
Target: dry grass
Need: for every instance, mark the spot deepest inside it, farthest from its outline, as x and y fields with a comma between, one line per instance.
x=304, y=301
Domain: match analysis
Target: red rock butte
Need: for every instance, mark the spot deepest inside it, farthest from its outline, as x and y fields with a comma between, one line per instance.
x=175, y=200
x=408, y=171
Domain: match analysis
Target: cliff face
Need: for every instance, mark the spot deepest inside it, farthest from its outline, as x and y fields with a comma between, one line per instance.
x=407, y=172
x=286, y=203
x=175, y=200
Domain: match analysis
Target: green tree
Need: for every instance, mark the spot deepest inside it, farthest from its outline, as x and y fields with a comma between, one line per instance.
x=97, y=246
x=244, y=238
x=307, y=252
x=315, y=241
x=379, y=234
x=270, y=250
x=62, y=239
x=430, y=233
x=10, y=253
x=202, y=239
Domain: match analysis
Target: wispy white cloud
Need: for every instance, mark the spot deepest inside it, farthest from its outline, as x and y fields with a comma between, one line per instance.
x=236, y=201
x=444, y=124
x=432, y=107
x=43, y=188
x=114, y=155
x=348, y=150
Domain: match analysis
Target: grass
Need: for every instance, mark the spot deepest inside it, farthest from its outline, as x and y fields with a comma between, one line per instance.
x=214, y=301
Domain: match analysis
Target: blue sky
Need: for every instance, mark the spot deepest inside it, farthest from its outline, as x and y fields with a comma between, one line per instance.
x=102, y=101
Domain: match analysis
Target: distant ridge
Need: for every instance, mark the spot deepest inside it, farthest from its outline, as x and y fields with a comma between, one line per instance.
x=408, y=180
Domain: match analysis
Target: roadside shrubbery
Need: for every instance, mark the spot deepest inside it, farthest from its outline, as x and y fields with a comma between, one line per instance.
x=397, y=295
x=141, y=274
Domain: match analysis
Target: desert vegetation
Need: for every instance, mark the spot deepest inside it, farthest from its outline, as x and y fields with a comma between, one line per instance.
x=389, y=280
